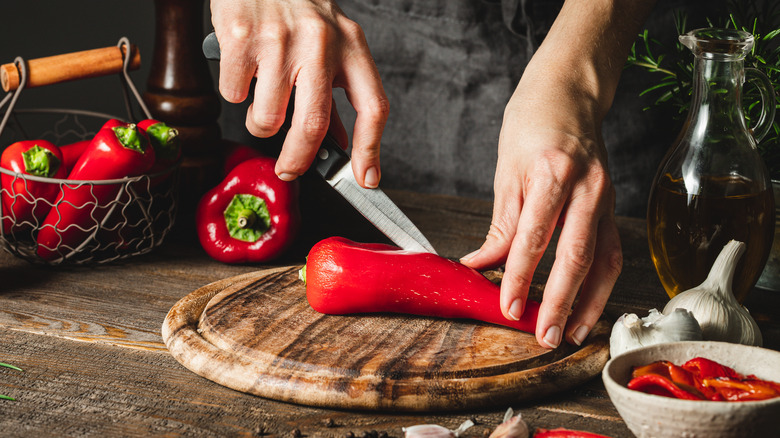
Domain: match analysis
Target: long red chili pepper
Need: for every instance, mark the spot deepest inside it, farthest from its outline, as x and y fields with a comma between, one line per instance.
x=565, y=433
x=660, y=385
x=25, y=201
x=344, y=277
x=117, y=151
x=164, y=140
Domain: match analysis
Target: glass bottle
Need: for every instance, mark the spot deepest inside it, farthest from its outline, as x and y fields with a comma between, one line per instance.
x=713, y=186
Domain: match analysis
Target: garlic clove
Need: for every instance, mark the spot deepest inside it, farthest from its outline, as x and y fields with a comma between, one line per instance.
x=435, y=431
x=631, y=332
x=513, y=426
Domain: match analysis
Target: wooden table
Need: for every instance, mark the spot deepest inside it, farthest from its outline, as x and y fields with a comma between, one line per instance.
x=94, y=362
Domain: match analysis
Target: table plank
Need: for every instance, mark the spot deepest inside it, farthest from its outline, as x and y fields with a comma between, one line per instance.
x=89, y=341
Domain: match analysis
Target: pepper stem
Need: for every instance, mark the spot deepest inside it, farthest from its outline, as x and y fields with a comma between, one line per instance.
x=247, y=217
x=130, y=137
x=165, y=140
x=39, y=161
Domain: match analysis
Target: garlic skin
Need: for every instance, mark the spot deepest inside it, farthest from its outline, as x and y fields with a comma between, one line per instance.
x=720, y=315
x=435, y=431
x=630, y=332
x=513, y=426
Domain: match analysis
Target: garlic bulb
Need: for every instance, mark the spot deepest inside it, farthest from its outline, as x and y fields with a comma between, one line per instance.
x=630, y=332
x=513, y=426
x=720, y=315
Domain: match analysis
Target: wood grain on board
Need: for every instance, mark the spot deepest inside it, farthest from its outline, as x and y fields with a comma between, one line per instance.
x=257, y=334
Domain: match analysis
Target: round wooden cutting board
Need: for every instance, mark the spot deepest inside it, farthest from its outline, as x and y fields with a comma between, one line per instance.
x=256, y=333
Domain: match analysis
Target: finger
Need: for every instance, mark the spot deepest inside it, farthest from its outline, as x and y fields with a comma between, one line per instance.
x=534, y=230
x=236, y=66
x=336, y=128
x=573, y=259
x=498, y=241
x=598, y=285
x=273, y=87
x=309, y=124
x=364, y=90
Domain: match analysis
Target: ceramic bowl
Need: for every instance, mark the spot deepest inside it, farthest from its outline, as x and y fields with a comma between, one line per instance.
x=655, y=416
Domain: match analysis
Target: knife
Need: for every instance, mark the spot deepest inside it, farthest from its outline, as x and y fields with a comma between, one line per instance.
x=334, y=165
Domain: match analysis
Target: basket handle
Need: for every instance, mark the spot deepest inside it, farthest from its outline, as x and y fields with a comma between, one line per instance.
x=70, y=66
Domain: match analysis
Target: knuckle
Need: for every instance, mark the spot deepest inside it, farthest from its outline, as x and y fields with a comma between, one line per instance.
x=315, y=124
x=352, y=30
x=378, y=109
x=577, y=259
x=613, y=262
x=534, y=239
x=265, y=122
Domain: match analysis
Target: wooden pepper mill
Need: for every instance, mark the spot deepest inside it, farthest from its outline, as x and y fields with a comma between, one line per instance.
x=180, y=91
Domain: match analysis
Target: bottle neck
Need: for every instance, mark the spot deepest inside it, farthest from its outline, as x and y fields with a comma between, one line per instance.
x=717, y=91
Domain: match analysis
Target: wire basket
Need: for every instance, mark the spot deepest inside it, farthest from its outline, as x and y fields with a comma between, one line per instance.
x=120, y=218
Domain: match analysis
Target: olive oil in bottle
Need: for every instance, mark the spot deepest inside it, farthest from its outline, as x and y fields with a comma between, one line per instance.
x=689, y=231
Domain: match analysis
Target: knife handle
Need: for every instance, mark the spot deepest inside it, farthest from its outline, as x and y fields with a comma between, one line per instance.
x=330, y=158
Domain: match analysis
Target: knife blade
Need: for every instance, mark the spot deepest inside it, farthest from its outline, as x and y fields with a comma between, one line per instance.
x=335, y=166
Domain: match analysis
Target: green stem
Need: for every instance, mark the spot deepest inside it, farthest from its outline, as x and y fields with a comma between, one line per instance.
x=129, y=137
x=247, y=217
x=40, y=162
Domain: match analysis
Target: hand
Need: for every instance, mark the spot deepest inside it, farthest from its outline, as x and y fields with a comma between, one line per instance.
x=552, y=170
x=313, y=46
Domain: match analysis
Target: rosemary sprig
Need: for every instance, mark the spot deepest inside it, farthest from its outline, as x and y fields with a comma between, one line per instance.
x=673, y=66
x=5, y=397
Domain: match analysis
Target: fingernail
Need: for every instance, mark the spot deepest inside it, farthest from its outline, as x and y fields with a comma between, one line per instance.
x=371, y=179
x=553, y=337
x=468, y=256
x=287, y=176
x=516, y=309
x=580, y=334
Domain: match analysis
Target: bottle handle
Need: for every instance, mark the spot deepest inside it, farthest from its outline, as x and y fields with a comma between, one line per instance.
x=768, y=104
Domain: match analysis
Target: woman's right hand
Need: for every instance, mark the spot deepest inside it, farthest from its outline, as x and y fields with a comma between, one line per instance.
x=312, y=46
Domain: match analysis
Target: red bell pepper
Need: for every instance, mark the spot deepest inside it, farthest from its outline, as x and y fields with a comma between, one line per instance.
x=27, y=202
x=565, y=433
x=118, y=150
x=345, y=277
x=164, y=140
x=237, y=153
x=251, y=216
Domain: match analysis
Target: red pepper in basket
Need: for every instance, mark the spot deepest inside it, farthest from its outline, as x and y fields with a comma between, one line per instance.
x=118, y=150
x=25, y=201
x=344, y=277
x=251, y=216
x=164, y=140
x=72, y=152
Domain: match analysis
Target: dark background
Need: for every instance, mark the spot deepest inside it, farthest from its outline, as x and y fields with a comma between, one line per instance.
x=636, y=139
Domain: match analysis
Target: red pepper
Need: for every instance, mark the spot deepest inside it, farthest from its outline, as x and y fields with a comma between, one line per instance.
x=237, y=153
x=703, y=379
x=659, y=385
x=565, y=433
x=72, y=152
x=345, y=277
x=118, y=150
x=164, y=140
x=27, y=202
x=251, y=216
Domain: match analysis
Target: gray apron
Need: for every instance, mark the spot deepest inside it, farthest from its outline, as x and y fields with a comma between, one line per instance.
x=449, y=68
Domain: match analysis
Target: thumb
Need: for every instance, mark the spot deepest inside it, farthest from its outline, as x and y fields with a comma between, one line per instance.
x=494, y=250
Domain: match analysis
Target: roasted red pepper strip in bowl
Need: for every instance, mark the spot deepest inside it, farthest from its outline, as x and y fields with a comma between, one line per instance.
x=346, y=277
x=251, y=216
x=25, y=201
x=700, y=379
